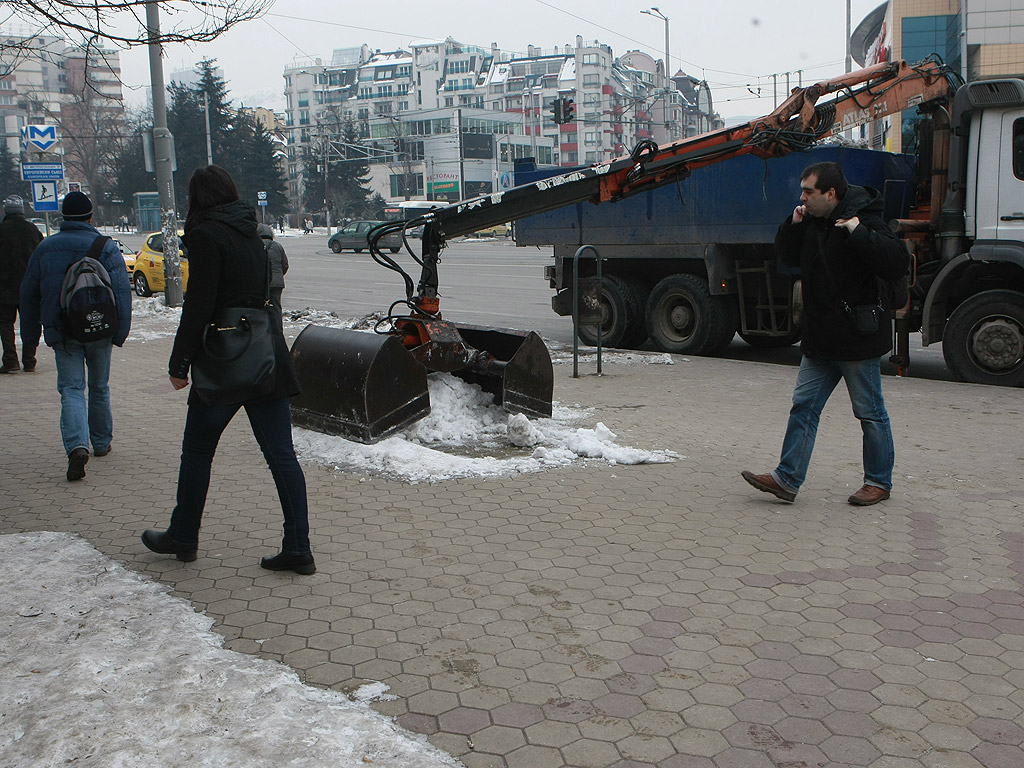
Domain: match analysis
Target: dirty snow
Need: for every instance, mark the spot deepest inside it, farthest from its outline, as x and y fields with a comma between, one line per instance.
x=466, y=435
x=101, y=667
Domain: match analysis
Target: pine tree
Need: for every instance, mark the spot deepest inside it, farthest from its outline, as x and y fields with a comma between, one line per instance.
x=237, y=142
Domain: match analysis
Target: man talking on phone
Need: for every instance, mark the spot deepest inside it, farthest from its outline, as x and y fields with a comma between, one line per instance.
x=838, y=239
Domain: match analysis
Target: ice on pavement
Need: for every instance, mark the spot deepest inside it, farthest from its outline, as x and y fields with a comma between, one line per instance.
x=100, y=666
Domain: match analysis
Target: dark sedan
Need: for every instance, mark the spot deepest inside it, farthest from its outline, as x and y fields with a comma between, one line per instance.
x=353, y=238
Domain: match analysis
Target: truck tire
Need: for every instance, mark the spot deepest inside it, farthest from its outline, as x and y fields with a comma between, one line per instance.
x=623, y=316
x=684, y=318
x=984, y=339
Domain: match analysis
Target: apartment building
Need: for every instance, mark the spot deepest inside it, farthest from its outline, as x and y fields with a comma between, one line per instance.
x=446, y=120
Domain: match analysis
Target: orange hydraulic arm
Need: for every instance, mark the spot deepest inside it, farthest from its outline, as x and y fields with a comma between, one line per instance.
x=799, y=121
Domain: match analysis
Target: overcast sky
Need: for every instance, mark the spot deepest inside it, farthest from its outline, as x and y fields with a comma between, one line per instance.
x=735, y=45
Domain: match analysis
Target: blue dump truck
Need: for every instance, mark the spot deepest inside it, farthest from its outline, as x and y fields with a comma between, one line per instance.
x=692, y=263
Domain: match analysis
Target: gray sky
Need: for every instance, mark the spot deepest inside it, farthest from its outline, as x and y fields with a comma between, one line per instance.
x=733, y=44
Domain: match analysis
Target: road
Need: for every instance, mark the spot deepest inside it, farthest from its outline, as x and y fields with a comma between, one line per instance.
x=483, y=282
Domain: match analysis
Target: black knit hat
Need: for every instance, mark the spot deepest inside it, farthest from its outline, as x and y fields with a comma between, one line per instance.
x=76, y=207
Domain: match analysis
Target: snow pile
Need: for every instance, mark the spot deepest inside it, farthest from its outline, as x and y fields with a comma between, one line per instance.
x=152, y=319
x=102, y=666
x=466, y=435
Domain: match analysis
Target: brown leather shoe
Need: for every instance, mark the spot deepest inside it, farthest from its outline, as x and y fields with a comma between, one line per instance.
x=868, y=495
x=767, y=484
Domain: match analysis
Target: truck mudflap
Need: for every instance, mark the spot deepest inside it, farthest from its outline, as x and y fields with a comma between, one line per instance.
x=362, y=386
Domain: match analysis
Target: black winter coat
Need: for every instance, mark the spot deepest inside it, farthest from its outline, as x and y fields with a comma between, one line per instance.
x=227, y=268
x=854, y=259
x=18, y=238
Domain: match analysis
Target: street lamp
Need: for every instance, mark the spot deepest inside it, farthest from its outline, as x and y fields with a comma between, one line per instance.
x=656, y=13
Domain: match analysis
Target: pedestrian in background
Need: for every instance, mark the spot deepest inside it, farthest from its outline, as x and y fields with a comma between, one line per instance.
x=18, y=238
x=278, y=268
x=228, y=268
x=79, y=363
x=841, y=244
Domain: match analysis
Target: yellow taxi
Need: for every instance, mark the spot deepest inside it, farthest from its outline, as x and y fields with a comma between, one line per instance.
x=148, y=274
x=127, y=254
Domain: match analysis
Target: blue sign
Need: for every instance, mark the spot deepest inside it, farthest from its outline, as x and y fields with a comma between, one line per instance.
x=42, y=171
x=44, y=195
x=41, y=136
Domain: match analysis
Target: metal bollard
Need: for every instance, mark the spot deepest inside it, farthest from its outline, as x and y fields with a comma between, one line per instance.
x=576, y=309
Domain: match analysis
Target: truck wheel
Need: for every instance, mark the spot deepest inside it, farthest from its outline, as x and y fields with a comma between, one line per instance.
x=622, y=317
x=984, y=339
x=771, y=342
x=684, y=318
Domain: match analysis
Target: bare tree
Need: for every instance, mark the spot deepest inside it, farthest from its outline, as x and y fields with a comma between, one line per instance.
x=119, y=23
x=123, y=22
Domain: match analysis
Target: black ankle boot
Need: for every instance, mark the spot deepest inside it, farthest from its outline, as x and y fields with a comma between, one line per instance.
x=288, y=562
x=161, y=543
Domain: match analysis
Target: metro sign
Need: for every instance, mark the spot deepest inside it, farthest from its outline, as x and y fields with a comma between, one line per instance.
x=41, y=136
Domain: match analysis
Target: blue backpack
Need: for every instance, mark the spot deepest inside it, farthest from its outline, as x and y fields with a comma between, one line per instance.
x=87, y=307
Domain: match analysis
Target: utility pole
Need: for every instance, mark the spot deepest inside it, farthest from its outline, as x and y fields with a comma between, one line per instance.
x=209, y=141
x=163, y=154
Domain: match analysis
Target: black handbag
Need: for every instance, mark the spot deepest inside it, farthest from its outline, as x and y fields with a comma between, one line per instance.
x=237, y=361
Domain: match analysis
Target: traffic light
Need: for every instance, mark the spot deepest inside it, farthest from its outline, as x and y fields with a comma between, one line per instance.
x=568, y=111
x=557, y=111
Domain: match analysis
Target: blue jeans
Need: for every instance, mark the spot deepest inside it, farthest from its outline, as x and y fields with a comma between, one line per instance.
x=271, y=423
x=81, y=423
x=814, y=385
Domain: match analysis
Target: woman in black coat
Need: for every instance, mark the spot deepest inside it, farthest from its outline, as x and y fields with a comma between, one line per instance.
x=228, y=268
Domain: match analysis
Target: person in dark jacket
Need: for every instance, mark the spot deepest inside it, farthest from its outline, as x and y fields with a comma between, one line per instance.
x=228, y=268
x=842, y=246
x=278, y=268
x=78, y=364
x=18, y=238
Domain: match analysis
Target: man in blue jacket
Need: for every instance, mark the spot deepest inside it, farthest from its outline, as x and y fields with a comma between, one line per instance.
x=81, y=422
x=843, y=247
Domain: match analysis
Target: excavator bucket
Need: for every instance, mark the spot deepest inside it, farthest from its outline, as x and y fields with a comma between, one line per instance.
x=362, y=386
x=515, y=368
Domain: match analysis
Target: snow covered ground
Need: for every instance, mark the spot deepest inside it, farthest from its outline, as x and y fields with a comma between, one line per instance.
x=465, y=434
x=101, y=667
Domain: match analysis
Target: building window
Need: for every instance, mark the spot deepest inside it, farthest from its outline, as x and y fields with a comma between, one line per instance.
x=591, y=138
x=385, y=74
x=403, y=184
x=591, y=60
x=304, y=99
x=303, y=117
x=593, y=80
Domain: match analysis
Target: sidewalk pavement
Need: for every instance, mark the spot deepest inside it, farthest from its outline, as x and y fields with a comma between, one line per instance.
x=655, y=615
